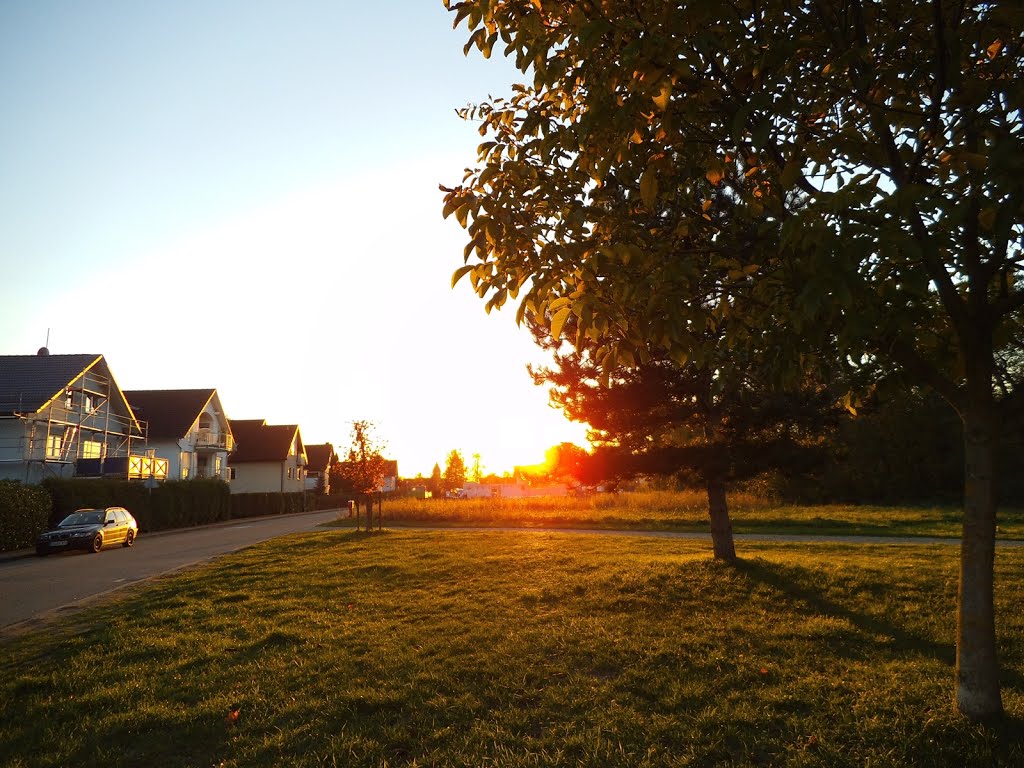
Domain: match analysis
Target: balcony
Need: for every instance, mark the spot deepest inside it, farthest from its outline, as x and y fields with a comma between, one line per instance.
x=208, y=440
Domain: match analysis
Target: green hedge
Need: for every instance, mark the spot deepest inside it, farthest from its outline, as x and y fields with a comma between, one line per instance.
x=24, y=510
x=260, y=504
x=174, y=504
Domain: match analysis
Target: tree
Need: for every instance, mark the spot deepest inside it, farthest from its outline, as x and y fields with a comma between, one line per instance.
x=365, y=467
x=660, y=417
x=436, y=486
x=454, y=471
x=884, y=141
x=476, y=472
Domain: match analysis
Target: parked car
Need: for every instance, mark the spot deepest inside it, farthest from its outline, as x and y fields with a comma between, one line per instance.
x=90, y=529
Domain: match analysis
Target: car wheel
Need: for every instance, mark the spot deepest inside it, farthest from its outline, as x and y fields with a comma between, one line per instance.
x=129, y=539
x=97, y=543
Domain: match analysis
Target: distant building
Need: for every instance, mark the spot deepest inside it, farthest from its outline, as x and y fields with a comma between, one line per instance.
x=319, y=460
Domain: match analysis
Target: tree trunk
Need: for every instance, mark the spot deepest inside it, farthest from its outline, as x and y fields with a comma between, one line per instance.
x=714, y=479
x=721, y=527
x=977, y=666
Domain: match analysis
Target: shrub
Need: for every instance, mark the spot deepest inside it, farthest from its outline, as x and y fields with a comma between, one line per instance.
x=24, y=512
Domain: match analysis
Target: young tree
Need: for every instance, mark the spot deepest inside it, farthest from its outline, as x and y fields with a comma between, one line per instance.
x=436, y=485
x=365, y=467
x=454, y=471
x=885, y=142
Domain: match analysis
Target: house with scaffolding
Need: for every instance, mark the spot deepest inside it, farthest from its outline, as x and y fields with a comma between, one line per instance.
x=65, y=416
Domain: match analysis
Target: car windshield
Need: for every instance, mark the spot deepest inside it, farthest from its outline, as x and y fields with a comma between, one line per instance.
x=83, y=517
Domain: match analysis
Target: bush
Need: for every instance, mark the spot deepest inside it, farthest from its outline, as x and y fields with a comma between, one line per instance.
x=24, y=512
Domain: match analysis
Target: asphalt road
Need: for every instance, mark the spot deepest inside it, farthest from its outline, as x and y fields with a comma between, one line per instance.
x=32, y=589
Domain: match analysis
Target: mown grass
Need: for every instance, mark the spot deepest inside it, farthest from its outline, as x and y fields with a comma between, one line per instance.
x=687, y=511
x=468, y=648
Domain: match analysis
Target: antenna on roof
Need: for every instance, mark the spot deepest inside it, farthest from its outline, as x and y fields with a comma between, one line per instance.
x=45, y=351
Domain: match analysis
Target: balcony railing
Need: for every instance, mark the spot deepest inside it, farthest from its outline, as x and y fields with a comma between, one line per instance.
x=215, y=441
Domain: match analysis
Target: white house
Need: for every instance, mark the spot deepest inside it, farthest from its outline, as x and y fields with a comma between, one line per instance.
x=65, y=416
x=188, y=426
x=268, y=458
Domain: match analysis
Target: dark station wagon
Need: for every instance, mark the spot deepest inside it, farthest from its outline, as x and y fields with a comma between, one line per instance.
x=91, y=530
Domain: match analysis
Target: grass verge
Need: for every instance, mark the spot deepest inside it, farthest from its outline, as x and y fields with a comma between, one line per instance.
x=462, y=648
x=687, y=511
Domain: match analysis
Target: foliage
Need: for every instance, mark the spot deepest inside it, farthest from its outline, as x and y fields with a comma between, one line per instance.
x=656, y=418
x=365, y=466
x=518, y=650
x=24, y=513
x=454, y=471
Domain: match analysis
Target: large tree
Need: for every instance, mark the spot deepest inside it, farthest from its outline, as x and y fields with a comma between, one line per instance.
x=883, y=140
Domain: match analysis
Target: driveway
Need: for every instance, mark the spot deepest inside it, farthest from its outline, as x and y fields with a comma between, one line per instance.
x=32, y=589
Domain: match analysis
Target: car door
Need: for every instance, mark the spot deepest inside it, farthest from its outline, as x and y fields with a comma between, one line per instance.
x=114, y=532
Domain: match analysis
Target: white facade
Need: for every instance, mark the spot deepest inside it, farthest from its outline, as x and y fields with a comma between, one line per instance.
x=516, y=490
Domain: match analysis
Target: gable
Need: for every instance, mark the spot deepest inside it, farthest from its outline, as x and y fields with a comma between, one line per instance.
x=170, y=413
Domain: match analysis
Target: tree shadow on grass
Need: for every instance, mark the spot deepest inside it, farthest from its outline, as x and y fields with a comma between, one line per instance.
x=794, y=585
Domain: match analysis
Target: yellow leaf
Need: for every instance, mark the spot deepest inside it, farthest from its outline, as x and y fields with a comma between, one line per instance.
x=826, y=69
x=664, y=96
x=714, y=175
x=558, y=321
x=706, y=205
x=649, y=187
x=994, y=49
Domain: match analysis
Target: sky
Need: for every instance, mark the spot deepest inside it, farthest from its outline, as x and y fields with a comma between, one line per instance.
x=244, y=196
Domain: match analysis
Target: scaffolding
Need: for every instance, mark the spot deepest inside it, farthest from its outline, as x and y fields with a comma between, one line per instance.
x=77, y=432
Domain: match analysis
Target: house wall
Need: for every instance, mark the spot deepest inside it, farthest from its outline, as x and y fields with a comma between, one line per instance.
x=267, y=477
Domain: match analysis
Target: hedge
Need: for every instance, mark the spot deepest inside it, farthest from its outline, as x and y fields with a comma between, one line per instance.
x=24, y=510
x=174, y=504
x=260, y=504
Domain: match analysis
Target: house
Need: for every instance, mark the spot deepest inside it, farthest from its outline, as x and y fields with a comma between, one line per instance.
x=319, y=460
x=65, y=416
x=189, y=427
x=268, y=458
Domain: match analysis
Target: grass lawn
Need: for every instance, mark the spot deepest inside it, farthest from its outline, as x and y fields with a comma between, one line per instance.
x=687, y=511
x=472, y=648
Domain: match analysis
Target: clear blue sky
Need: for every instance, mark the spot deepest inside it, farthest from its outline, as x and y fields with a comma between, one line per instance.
x=243, y=195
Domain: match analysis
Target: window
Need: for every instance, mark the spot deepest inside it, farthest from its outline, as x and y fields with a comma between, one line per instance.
x=92, y=449
x=53, y=444
x=231, y=473
x=186, y=464
x=289, y=473
x=217, y=468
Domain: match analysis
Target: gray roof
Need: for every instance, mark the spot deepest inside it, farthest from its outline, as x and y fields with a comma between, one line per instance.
x=28, y=382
